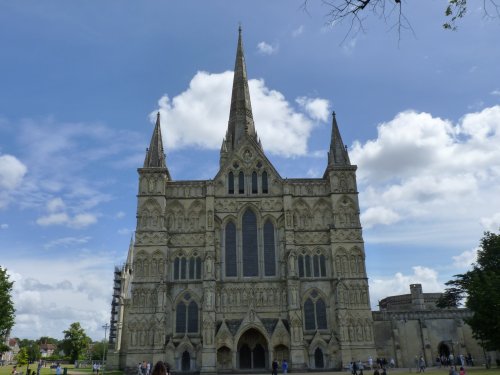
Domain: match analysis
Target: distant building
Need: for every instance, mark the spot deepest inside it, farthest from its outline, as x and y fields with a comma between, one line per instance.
x=10, y=356
x=233, y=272
x=47, y=350
x=410, y=325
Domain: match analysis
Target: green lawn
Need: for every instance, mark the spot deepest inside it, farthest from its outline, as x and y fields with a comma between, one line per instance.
x=6, y=370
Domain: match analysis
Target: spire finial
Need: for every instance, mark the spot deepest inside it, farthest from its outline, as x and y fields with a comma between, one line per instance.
x=338, y=155
x=158, y=117
x=240, y=115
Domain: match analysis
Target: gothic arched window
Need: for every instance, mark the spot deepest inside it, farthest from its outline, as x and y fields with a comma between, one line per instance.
x=176, y=269
x=269, y=249
x=254, y=183
x=241, y=183
x=315, y=313
x=198, y=268
x=180, y=317
x=265, y=187
x=192, y=323
x=250, y=253
x=230, y=183
x=230, y=247
x=309, y=317
x=301, y=265
x=186, y=315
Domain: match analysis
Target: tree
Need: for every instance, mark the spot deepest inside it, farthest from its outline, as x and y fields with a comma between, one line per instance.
x=480, y=288
x=99, y=349
x=7, y=311
x=75, y=341
x=22, y=357
x=355, y=11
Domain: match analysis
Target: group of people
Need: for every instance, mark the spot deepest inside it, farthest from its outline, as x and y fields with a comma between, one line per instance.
x=160, y=368
x=96, y=368
x=462, y=360
x=275, y=366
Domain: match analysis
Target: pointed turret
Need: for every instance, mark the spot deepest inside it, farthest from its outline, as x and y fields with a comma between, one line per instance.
x=155, y=157
x=130, y=255
x=240, y=116
x=337, y=156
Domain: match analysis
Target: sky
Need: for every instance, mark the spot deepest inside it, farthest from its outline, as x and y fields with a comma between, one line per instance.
x=81, y=82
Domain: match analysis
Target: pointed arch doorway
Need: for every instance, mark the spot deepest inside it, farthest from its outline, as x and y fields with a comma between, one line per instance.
x=252, y=350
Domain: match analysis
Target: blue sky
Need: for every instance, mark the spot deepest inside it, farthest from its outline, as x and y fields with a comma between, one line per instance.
x=80, y=83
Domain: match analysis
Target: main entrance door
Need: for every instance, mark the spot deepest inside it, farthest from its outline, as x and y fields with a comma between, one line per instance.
x=252, y=350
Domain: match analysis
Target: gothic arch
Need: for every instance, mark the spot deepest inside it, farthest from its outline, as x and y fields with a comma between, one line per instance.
x=175, y=213
x=346, y=214
x=301, y=214
x=322, y=210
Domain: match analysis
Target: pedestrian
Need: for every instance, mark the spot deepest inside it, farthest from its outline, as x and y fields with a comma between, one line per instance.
x=168, y=369
x=376, y=372
x=361, y=367
x=94, y=368
x=452, y=371
x=39, y=367
x=421, y=364
x=14, y=370
x=97, y=368
x=275, y=367
x=144, y=367
x=159, y=369
x=148, y=368
x=370, y=362
x=392, y=363
x=462, y=371
x=58, y=369
x=284, y=366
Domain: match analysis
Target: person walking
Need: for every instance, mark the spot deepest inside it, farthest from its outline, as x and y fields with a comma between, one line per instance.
x=275, y=367
x=284, y=367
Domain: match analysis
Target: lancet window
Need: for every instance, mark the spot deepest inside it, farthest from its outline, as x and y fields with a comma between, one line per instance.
x=311, y=266
x=186, y=315
x=315, y=313
x=187, y=268
x=250, y=251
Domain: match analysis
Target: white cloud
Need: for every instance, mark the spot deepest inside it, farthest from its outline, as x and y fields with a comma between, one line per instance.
x=400, y=284
x=465, y=259
x=266, y=49
x=62, y=218
x=4, y=226
x=316, y=108
x=495, y=92
x=12, y=172
x=120, y=215
x=378, y=215
x=55, y=205
x=83, y=220
x=298, y=31
x=491, y=223
x=53, y=219
x=50, y=294
x=67, y=242
x=198, y=116
x=424, y=169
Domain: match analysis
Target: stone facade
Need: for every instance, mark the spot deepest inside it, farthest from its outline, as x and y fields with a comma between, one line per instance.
x=234, y=272
x=410, y=325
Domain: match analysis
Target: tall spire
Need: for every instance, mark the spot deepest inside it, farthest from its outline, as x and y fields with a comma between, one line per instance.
x=240, y=115
x=337, y=156
x=155, y=157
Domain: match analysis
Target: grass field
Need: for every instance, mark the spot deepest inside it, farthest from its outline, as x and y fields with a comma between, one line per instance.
x=6, y=370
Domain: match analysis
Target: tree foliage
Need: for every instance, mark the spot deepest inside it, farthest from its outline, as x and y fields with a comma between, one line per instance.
x=99, y=349
x=75, y=341
x=7, y=311
x=480, y=288
x=22, y=357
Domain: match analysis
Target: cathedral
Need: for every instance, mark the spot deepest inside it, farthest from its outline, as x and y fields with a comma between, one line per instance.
x=232, y=273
